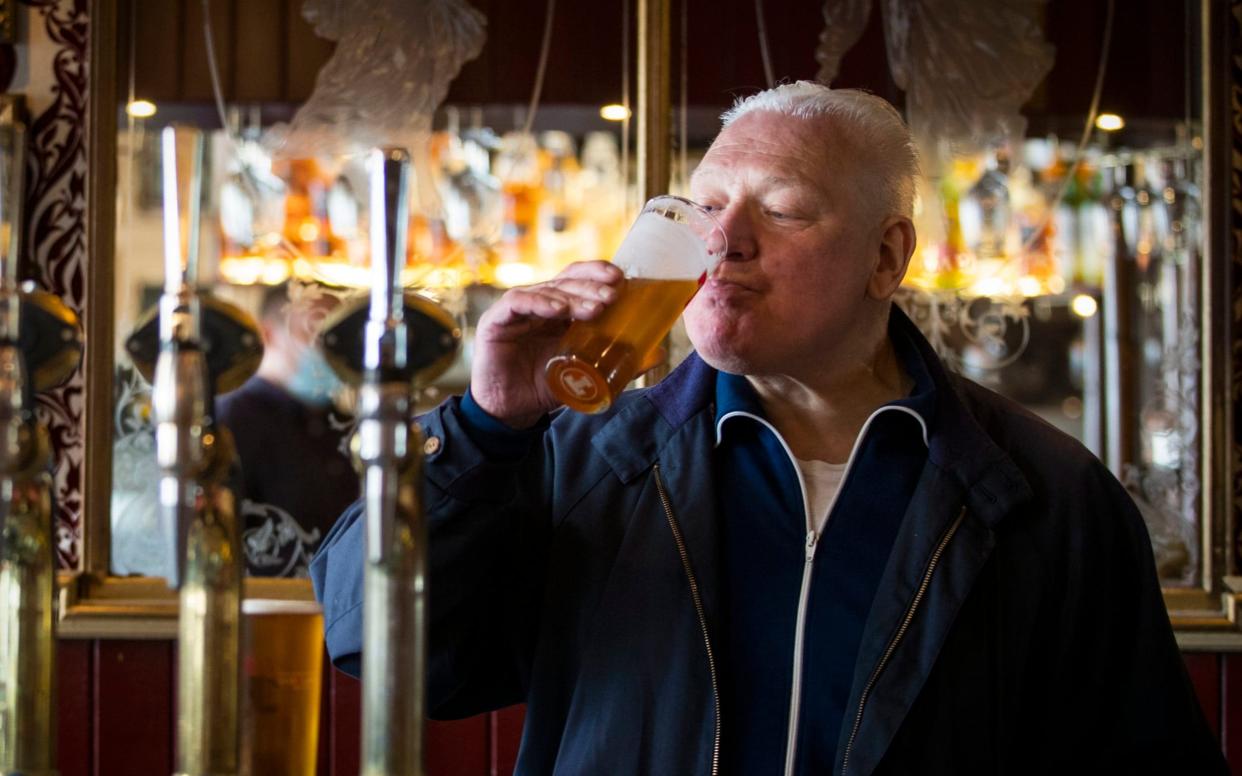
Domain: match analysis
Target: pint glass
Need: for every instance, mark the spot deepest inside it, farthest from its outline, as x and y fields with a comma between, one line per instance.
x=280, y=692
x=669, y=251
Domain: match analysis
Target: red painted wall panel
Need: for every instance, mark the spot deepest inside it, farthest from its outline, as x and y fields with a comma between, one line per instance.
x=324, y=766
x=459, y=748
x=1231, y=722
x=346, y=724
x=73, y=707
x=506, y=729
x=133, y=733
x=116, y=715
x=1205, y=674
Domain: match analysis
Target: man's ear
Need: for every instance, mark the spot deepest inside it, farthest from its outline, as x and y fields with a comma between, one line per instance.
x=896, y=246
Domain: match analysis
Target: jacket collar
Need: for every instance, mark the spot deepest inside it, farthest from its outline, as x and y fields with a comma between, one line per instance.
x=736, y=398
x=957, y=444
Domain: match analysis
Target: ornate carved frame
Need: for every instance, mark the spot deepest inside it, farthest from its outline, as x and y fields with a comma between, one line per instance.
x=95, y=604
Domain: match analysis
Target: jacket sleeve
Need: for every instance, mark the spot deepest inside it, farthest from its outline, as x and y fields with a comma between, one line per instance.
x=487, y=526
x=1129, y=705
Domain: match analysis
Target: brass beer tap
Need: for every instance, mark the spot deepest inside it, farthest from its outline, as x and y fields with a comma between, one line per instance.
x=391, y=342
x=40, y=346
x=194, y=347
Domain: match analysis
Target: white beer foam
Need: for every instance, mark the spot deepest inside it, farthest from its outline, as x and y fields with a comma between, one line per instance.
x=660, y=248
x=279, y=606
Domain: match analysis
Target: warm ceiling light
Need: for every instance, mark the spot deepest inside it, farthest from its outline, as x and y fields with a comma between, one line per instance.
x=614, y=112
x=141, y=109
x=1084, y=306
x=1109, y=122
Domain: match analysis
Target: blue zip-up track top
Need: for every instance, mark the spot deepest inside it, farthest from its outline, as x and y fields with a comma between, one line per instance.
x=1017, y=626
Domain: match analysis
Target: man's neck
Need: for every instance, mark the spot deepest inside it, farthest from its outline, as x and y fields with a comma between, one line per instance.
x=820, y=414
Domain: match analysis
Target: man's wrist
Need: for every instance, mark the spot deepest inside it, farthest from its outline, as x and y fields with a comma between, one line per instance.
x=498, y=438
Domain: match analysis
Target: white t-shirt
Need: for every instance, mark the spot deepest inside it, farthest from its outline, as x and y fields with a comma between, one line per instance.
x=823, y=481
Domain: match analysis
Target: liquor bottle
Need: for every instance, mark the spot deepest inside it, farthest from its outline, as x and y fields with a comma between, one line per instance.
x=985, y=211
x=520, y=174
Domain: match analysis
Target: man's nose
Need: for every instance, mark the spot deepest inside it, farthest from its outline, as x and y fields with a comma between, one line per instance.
x=739, y=231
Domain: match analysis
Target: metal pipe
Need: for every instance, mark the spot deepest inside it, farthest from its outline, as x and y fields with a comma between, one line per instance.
x=196, y=511
x=27, y=562
x=389, y=451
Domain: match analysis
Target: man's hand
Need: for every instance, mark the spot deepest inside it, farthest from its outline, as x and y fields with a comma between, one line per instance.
x=519, y=333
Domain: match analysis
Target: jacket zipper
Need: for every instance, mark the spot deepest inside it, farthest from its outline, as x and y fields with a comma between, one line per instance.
x=698, y=609
x=795, y=693
x=901, y=632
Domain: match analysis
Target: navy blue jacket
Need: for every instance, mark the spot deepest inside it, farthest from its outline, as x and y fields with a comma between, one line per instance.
x=1018, y=626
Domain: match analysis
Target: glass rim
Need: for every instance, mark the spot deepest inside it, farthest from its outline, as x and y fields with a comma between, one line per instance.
x=698, y=209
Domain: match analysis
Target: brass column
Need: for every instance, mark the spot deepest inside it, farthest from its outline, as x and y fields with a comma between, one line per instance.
x=27, y=562
x=653, y=98
x=654, y=125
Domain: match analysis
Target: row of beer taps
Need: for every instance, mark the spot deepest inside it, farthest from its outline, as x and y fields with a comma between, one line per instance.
x=194, y=347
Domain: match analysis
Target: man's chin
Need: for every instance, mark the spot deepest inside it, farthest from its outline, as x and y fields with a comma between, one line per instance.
x=724, y=358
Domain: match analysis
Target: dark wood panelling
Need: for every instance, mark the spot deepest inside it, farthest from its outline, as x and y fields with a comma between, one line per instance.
x=262, y=64
x=73, y=707
x=197, y=74
x=269, y=53
x=506, y=731
x=133, y=708
x=157, y=55
x=307, y=53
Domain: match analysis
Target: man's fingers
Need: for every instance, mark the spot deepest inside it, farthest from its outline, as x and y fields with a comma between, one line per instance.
x=544, y=301
x=586, y=288
x=599, y=271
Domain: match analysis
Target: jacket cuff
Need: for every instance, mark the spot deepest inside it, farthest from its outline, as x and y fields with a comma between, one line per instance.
x=498, y=442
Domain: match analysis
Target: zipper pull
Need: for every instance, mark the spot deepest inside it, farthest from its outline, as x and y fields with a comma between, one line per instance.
x=811, y=538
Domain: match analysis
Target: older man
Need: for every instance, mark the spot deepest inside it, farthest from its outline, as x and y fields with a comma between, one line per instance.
x=809, y=549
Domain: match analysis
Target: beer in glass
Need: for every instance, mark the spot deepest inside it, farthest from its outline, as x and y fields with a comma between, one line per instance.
x=669, y=251
x=283, y=664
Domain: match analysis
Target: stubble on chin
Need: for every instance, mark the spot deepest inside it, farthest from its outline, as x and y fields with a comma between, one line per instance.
x=718, y=342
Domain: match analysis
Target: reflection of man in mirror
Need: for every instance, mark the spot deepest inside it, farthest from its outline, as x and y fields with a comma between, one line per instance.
x=295, y=476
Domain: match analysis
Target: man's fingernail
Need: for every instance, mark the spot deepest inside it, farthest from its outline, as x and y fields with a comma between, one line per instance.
x=589, y=305
x=607, y=292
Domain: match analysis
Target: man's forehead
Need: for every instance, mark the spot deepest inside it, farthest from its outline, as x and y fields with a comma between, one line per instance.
x=709, y=173
x=779, y=149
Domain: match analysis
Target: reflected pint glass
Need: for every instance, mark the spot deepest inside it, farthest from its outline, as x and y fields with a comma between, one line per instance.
x=669, y=251
x=280, y=685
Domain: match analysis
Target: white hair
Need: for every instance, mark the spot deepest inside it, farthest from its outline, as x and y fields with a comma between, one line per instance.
x=872, y=122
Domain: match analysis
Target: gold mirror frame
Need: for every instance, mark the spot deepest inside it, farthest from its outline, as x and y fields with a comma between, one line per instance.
x=93, y=603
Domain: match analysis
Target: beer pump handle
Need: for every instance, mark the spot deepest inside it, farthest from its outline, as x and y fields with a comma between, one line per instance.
x=390, y=214
x=180, y=392
x=182, y=148
x=384, y=397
